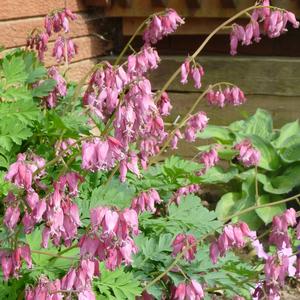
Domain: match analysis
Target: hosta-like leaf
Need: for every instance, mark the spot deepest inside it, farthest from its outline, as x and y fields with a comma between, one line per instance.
x=288, y=130
x=219, y=133
x=267, y=213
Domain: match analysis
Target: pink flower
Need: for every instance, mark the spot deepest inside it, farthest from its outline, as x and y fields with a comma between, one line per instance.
x=160, y=26
x=176, y=137
x=59, y=51
x=195, y=123
x=209, y=159
x=233, y=236
x=186, y=243
x=164, y=105
x=279, y=235
x=146, y=201
x=248, y=155
x=233, y=96
x=193, y=290
x=11, y=217
x=185, y=70
x=183, y=191
x=197, y=73
x=20, y=173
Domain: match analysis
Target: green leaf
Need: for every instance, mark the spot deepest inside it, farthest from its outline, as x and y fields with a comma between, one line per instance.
x=117, y=284
x=36, y=74
x=218, y=175
x=291, y=154
x=13, y=94
x=44, y=88
x=219, y=133
x=284, y=183
x=190, y=214
x=175, y=167
x=260, y=124
x=226, y=205
x=115, y=194
x=267, y=213
x=155, y=248
x=23, y=111
x=14, y=69
x=288, y=130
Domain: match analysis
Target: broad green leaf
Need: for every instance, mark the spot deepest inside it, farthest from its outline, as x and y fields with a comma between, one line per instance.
x=291, y=154
x=260, y=124
x=225, y=206
x=219, y=133
x=218, y=175
x=283, y=183
x=267, y=213
x=286, y=131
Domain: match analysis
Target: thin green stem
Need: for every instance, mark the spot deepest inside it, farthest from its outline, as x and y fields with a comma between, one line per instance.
x=205, y=42
x=249, y=209
x=54, y=256
x=61, y=253
x=128, y=45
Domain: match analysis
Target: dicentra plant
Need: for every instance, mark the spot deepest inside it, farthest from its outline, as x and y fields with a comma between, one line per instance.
x=90, y=213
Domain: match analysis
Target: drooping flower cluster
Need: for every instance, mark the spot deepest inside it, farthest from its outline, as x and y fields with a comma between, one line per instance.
x=248, y=155
x=233, y=236
x=176, y=137
x=279, y=235
x=58, y=21
x=39, y=41
x=209, y=159
x=77, y=280
x=164, y=104
x=195, y=123
x=64, y=49
x=54, y=22
x=11, y=260
x=274, y=24
x=60, y=89
x=186, y=244
x=100, y=154
x=61, y=214
x=190, y=291
x=196, y=71
x=277, y=268
x=63, y=147
x=184, y=191
x=146, y=201
x=161, y=25
x=110, y=237
x=233, y=96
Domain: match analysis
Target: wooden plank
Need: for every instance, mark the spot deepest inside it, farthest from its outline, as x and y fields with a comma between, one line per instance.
x=209, y=8
x=13, y=33
x=20, y=9
x=193, y=3
x=283, y=110
x=255, y=75
x=78, y=69
x=100, y=3
x=192, y=26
